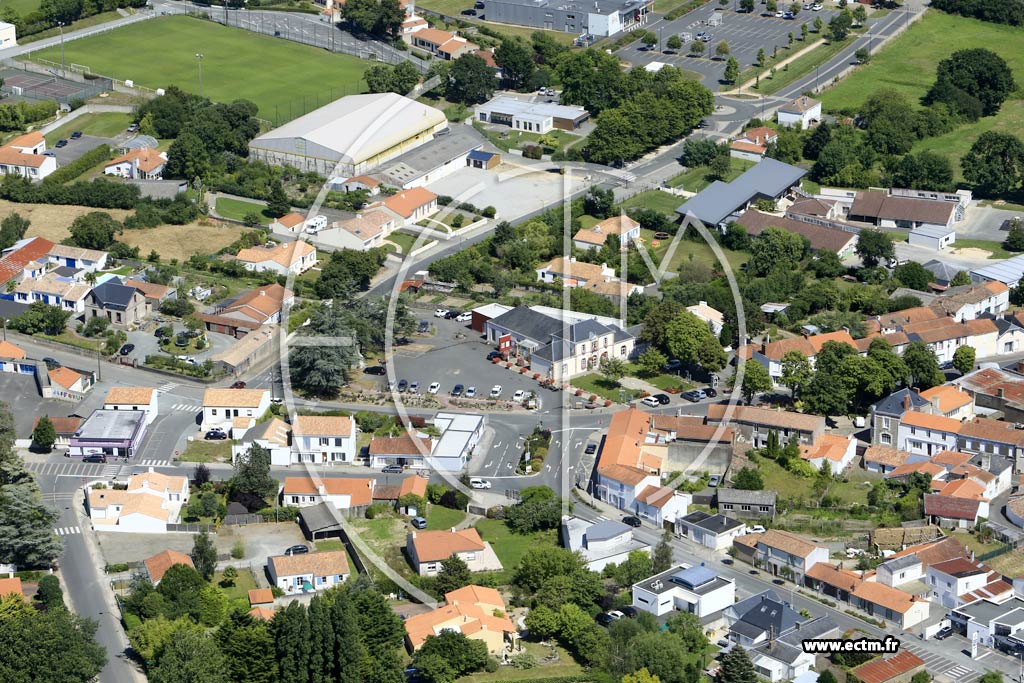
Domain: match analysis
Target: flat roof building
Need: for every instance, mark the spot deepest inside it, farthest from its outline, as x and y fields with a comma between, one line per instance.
x=598, y=18
x=534, y=117
x=114, y=433
x=350, y=135
x=429, y=163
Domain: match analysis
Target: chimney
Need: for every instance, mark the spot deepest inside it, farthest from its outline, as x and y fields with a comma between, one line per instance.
x=702, y=303
x=453, y=530
x=906, y=401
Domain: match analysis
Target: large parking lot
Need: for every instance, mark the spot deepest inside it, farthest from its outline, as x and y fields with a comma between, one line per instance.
x=744, y=33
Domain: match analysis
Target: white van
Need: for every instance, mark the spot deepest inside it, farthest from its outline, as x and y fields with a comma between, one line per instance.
x=316, y=224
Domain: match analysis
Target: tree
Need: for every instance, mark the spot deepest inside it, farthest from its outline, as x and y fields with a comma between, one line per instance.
x=44, y=435
x=321, y=370
x=913, y=275
x=612, y=369
x=736, y=667
x=818, y=24
x=840, y=26
x=200, y=475
x=542, y=622
x=204, y=555
x=963, y=359
x=12, y=228
x=49, y=593
x=748, y=479
x=890, y=121
x=449, y=655
x=26, y=525
x=1015, y=237
x=690, y=339
x=923, y=365
x=860, y=15
x=761, y=58
x=190, y=657
x=278, y=203
x=188, y=157
x=635, y=568
x=771, y=6
x=652, y=361
x=995, y=163
x=649, y=38
x=732, y=70
x=719, y=167
x=921, y=171
x=661, y=560
x=55, y=645
x=515, y=57
x=642, y=675
x=94, y=230
x=454, y=574
x=755, y=381
x=599, y=202
x=969, y=78
x=747, y=5
x=697, y=48
x=471, y=81
x=991, y=677
x=248, y=649
x=827, y=676
x=252, y=473
x=874, y=246
x=776, y=248
x=382, y=18
x=212, y=604
x=722, y=50
x=804, y=30
x=674, y=42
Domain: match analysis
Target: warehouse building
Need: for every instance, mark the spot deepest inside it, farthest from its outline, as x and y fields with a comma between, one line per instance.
x=351, y=135
x=532, y=117
x=600, y=18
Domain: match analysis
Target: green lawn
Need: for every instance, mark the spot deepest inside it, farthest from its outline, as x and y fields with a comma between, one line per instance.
x=105, y=125
x=596, y=384
x=564, y=668
x=508, y=546
x=662, y=381
x=439, y=517
x=237, y=209
x=696, y=178
x=207, y=451
x=654, y=199
x=244, y=583
x=406, y=241
x=236, y=64
x=687, y=250
x=799, y=67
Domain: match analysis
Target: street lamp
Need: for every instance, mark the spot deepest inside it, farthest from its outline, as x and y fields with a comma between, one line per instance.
x=199, y=57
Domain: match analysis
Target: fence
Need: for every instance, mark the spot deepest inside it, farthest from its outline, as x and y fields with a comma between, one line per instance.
x=64, y=89
x=191, y=528
x=243, y=520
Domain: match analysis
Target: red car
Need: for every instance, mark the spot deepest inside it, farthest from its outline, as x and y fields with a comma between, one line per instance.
x=238, y=385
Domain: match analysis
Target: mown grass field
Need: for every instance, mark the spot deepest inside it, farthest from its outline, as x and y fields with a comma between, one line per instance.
x=236, y=209
x=106, y=125
x=283, y=78
x=908, y=66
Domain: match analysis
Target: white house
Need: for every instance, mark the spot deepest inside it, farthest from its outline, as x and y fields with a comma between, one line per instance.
x=711, y=531
x=959, y=581
x=133, y=398
x=801, y=112
x=711, y=316
x=61, y=291
x=236, y=409
x=985, y=618
x=308, y=572
x=343, y=493
x=427, y=549
x=622, y=226
x=460, y=433
x=412, y=205
x=602, y=543
x=878, y=600
x=151, y=501
x=698, y=590
x=25, y=156
x=365, y=231
x=8, y=35
x=87, y=260
x=295, y=257
x=143, y=163
x=272, y=435
x=838, y=451
x=782, y=553
x=325, y=440
x=782, y=658
x=574, y=273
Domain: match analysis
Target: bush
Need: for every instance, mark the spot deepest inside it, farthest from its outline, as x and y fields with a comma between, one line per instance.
x=116, y=568
x=491, y=665
x=282, y=514
x=79, y=166
x=177, y=307
x=533, y=151
x=496, y=512
x=238, y=550
x=523, y=660
x=489, y=212
x=376, y=510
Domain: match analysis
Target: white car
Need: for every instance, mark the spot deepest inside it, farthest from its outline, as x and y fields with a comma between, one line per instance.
x=816, y=7
x=434, y=387
x=470, y=392
x=414, y=388
x=779, y=15
x=440, y=312
x=519, y=396
x=464, y=317
x=616, y=614
x=757, y=529
x=480, y=483
x=650, y=402
x=496, y=391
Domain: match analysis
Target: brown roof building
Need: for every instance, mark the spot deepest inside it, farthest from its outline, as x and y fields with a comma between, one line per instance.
x=158, y=564
x=821, y=238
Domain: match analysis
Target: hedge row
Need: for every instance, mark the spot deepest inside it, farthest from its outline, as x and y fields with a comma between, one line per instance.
x=79, y=166
x=685, y=8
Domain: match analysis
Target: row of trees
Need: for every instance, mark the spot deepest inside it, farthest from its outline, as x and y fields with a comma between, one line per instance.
x=52, y=12
x=998, y=11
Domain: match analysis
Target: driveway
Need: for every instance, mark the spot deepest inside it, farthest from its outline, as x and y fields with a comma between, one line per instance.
x=77, y=148
x=985, y=222
x=146, y=343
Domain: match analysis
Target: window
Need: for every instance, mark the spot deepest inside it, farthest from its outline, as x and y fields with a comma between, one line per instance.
x=213, y=411
x=324, y=441
x=470, y=557
x=765, y=508
x=745, y=508
x=295, y=499
x=886, y=438
x=337, y=441
x=727, y=506
x=885, y=423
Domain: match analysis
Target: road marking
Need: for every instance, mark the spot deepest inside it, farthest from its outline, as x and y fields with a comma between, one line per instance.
x=67, y=530
x=164, y=388
x=154, y=463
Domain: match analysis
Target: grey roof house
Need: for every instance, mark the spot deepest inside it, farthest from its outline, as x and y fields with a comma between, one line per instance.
x=601, y=544
x=887, y=413
x=761, y=619
x=746, y=504
x=123, y=306
x=769, y=179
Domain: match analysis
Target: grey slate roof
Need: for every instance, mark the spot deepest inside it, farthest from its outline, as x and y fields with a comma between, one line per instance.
x=113, y=295
x=529, y=324
x=715, y=524
x=741, y=497
x=787, y=648
x=942, y=271
x=893, y=403
x=768, y=178
x=602, y=531
x=320, y=518
x=769, y=615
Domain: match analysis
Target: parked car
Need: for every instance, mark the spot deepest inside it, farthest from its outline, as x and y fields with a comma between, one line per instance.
x=414, y=388
x=159, y=332
x=77, y=134
x=95, y=458
x=471, y=392
x=48, y=153
x=393, y=469
x=673, y=365
x=632, y=521
x=944, y=633
x=464, y=317
x=780, y=14
x=808, y=5
x=440, y=312
x=714, y=481
x=51, y=363
x=423, y=327
x=694, y=395
x=378, y=370
x=710, y=392
x=590, y=449
x=419, y=523
x=480, y=483
x=133, y=128
x=434, y=387
x=663, y=399
x=126, y=349
x=452, y=315
x=297, y=550
x=817, y=7
x=457, y=390
x=650, y=401
x=630, y=611
x=605, y=619
x=402, y=385
x=61, y=143
x=519, y=396
x=757, y=529
x=495, y=354
x=496, y=391
x=215, y=435
x=238, y=385
x=788, y=15
x=616, y=614
x=469, y=12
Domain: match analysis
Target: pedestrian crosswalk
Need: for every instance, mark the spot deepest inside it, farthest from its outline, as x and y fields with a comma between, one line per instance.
x=153, y=463
x=166, y=387
x=187, y=407
x=68, y=469
x=960, y=673
x=67, y=530
x=110, y=470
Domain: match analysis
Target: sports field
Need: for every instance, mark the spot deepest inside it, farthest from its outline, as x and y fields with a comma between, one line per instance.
x=908, y=65
x=283, y=78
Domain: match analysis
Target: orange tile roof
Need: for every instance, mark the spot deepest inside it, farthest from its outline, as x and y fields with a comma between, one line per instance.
x=406, y=444
x=261, y=596
x=961, y=566
x=324, y=563
x=434, y=546
x=781, y=419
x=993, y=430
x=964, y=488
x=949, y=458
x=406, y=202
x=158, y=565
x=435, y=35
x=809, y=346
x=367, y=225
x=924, y=466
x=574, y=272
x=656, y=496
x=884, y=455
x=15, y=157
x=285, y=254
x=233, y=398
x=146, y=158
x=744, y=146
x=950, y=397
x=882, y=670
x=14, y=262
x=834, y=576
x=884, y=596
x=936, y=423
x=828, y=446
x=321, y=425
x=979, y=475
x=11, y=585
x=627, y=432
x=291, y=220
x=787, y=542
x=63, y=425
x=360, y=491
x=28, y=140
x=264, y=613
x=476, y=594
x=598, y=233
x=9, y=350
x=150, y=289
x=157, y=481
x=365, y=179
x=934, y=552
x=65, y=377
x=145, y=505
x=415, y=485
x=467, y=618
x=129, y=396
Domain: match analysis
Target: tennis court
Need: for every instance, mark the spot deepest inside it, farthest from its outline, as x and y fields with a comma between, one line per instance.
x=47, y=87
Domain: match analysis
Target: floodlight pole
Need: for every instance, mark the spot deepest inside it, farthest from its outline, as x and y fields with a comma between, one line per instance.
x=199, y=57
x=60, y=25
